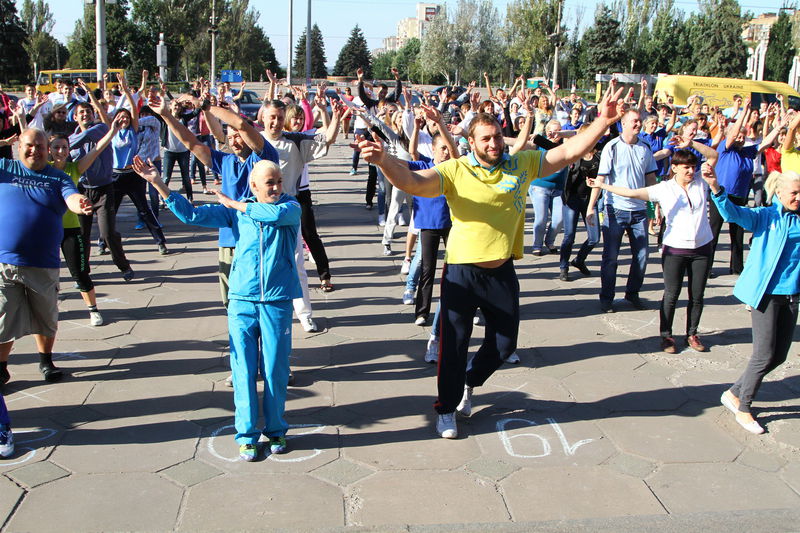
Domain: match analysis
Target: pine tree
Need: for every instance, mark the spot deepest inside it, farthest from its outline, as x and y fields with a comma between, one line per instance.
x=602, y=45
x=318, y=59
x=663, y=46
x=354, y=54
x=13, y=58
x=780, y=52
x=716, y=40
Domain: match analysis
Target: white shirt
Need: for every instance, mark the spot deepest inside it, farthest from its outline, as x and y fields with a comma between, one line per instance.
x=685, y=212
x=293, y=157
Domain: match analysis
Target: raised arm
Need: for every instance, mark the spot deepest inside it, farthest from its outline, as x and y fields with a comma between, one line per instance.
x=773, y=134
x=434, y=114
x=143, y=84
x=398, y=88
x=569, y=152
x=525, y=130
x=642, y=94
x=86, y=161
x=420, y=183
x=238, y=96
x=200, y=150
x=788, y=141
x=488, y=84
x=127, y=90
x=599, y=183
x=273, y=85
x=733, y=132
x=249, y=134
x=362, y=93
x=332, y=129
x=100, y=110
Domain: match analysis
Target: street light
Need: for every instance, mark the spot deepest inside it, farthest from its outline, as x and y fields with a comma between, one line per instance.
x=213, y=30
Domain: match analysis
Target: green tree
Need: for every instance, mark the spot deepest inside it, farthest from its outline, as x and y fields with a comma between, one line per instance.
x=780, y=51
x=354, y=54
x=602, y=45
x=406, y=59
x=242, y=44
x=528, y=25
x=318, y=59
x=663, y=44
x=717, y=44
x=43, y=50
x=14, y=66
x=382, y=65
x=436, y=55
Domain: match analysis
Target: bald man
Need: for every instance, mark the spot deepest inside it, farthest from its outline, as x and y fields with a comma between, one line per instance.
x=33, y=199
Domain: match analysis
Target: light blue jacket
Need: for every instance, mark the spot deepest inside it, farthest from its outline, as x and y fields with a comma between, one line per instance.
x=770, y=227
x=263, y=267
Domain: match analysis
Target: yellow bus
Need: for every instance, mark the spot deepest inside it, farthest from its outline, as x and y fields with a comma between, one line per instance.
x=47, y=78
x=720, y=91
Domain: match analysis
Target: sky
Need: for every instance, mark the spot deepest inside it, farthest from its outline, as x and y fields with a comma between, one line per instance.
x=336, y=18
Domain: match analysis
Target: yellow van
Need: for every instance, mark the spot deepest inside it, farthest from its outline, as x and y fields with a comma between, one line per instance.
x=720, y=91
x=47, y=78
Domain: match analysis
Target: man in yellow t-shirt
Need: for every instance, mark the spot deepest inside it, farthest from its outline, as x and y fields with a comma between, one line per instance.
x=790, y=155
x=486, y=192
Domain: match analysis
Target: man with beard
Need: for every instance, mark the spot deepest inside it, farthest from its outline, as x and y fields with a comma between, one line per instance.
x=485, y=191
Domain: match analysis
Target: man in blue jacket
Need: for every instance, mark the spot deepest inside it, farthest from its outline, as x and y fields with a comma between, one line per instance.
x=263, y=283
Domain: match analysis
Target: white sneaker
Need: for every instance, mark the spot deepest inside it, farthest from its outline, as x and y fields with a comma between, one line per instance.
x=420, y=321
x=381, y=220
x=465, y=407
x=477, y=320
x=95, y=318
x=309, y=326
x=408, y=297
x=387, y=250
x=513, y=359
x=229, y=381
x=432, y=352
x=406, y=266
x=446, y=426
x=6, y=442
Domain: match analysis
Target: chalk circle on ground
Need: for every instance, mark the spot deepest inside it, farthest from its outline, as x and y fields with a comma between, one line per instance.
x=310, y=430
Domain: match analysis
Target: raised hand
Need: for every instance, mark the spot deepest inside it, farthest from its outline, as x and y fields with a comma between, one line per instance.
x=147, y=170
x=360, y=73
x=372, y=152
x=680, y=143
x=395, y=73
x=709, y=176
x=271, y=76
x=607, y=107
x=116, y=124
x=85, y=205
x=431, y=113
x=158, y=105
x=224, y=200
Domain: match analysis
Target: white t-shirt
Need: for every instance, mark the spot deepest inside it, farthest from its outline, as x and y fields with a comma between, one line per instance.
x=685, y=212
x=360, y=123
x=294, y=156
x=626, y=165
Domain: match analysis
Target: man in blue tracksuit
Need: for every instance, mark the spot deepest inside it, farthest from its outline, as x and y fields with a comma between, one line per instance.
x=262, y=285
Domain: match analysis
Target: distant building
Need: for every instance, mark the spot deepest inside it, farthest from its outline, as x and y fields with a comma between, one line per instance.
x=755, y=35
x=412, y=27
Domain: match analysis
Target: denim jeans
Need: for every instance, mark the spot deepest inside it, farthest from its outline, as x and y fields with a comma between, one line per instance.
x=546, y=205
x=574, y=208
x=617, y=223
x=415, y=269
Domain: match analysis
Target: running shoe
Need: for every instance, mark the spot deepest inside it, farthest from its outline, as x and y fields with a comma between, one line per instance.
x=248, y=452
x=465, y=405
x=277, y=445
x=309, y=326
x=6, y=441
x=95, y=318
x=432, y=351
x=406, y=266
x=446, y=426
x=408, y=297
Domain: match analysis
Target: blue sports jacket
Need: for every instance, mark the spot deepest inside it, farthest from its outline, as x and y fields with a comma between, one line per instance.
x=770, y=227
x=263, y=268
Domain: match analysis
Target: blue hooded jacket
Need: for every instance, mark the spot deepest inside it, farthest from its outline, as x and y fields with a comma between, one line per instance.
x=263, y=267
x=770, y=227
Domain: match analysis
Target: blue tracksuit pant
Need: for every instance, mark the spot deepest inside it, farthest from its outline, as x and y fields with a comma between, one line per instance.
x=4, y=418
x=261, y=339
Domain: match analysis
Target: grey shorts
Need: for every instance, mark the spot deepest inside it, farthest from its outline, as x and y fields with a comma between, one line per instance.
x=28, y=301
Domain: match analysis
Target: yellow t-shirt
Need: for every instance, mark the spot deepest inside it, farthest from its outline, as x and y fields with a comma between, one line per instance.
x=790, y=160
x=487, y=206
x=70, y=219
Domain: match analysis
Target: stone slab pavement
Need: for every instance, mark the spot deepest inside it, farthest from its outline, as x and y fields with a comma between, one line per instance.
x=595, y=429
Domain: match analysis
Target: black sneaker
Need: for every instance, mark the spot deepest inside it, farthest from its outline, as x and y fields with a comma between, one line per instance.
x=162, y=249
x=564, y=275
x=636, y=301
x=582, y=268
x=128, y=275
x=606, y=307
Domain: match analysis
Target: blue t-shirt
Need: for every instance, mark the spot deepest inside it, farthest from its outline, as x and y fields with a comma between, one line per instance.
x=236, y=181
x=571, y=126
x=125, y=144
x=32, y=204
x=429, y=213
x=655, y=141
x=553, y=181
x=80, y=144
x=735, y=168
x=626, y=165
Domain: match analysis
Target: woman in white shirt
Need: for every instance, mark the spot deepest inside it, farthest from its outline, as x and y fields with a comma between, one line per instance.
x=688, y=240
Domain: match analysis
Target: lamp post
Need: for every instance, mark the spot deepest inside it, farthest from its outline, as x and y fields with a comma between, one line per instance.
x=213, y=30
x=102, y=47
x=289, y=47
x=308, y=48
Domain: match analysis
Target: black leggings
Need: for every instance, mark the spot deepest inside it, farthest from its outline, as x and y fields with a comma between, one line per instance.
x=676, y=267
x=736, y=233
x=430, y=249
x=129, y=183
x=308, y=227
x=73, y=246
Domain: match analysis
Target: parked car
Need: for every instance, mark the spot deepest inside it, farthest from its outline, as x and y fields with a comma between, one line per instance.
x=249, y=103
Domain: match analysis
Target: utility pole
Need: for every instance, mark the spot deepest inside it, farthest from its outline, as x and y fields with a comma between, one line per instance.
x=558, y=43
x=161, y=57
x=308, y=48
x=102, y=47
x=289, y=47
x=213, y=30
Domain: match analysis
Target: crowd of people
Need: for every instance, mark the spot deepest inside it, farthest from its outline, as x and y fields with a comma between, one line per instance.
x=453, y=166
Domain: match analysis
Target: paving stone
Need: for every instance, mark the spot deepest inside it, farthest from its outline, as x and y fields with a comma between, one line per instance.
x=342, y=472
x=767, y=462
x=491, y=468
x=561, y=493
x=36, y=474
x=671, y=438
x=10, y=494
x=191, y=472
x=146, y=444
x=625, y=391
x=272, y=501
x=34, y=440
x=791, y=475
x=47, y=400
x=135, y=396
x=524, y=389
x=459, y=497
x=684, y=488
x=363, y=397
x=407, y=443
x=631, y=465
x=95, y=503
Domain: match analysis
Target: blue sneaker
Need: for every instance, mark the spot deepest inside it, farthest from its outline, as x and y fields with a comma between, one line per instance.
x=248, y=452
x=6, y=442
x=277, y=445
x=139, y=226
